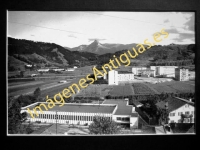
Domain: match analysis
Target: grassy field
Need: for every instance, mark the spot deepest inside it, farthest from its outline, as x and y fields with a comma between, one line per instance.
x=95, y=90
x=122, y=90
x=174, y=86
x=140, y=88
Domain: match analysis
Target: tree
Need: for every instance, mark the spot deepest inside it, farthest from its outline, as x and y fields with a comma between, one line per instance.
x=37, y=94
x=22, y=73
x=103, y=125
x=15, y=117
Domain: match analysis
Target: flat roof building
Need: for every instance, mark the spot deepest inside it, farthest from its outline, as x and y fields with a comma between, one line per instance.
x=73, y=113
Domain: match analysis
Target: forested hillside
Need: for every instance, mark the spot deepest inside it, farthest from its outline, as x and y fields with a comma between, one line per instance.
x=43, y=54
x=21, y=52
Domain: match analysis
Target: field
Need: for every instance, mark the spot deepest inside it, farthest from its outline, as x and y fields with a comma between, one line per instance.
x=122, y=90
x=174, y=86
x=95, y=90
x=140, y=88
x=49, y=87
x=48, y=82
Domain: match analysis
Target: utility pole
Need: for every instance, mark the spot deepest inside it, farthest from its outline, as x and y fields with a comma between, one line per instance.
x=56, y=122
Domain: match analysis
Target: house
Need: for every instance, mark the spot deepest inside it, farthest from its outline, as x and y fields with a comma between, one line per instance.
x=178, y=107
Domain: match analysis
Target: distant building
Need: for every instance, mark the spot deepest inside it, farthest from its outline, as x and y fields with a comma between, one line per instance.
x=166, y=71
x=58, y=69
x=147, y=73
x=29, y=65
x=43, y=70
x=191, y=75
x=181, y=74
x=115, y=77
x=136, y=68
x=70, y=69
x=71, y=113
x=176, y=107
x=125, y=76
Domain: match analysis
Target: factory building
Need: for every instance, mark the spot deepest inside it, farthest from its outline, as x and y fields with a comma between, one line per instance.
x=73, y=113
x=181, y=74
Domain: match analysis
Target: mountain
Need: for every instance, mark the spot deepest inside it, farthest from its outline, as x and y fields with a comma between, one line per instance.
x=180, y=55
x=98, y=48
x=21, y=52
x=79, y=48
x=43, y=54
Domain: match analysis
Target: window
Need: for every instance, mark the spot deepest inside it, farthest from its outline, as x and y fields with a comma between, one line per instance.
x=187, y=112
x=172, y=121
x=172, y=114
x=118, y=118
x=186, y=105
x=179, y=113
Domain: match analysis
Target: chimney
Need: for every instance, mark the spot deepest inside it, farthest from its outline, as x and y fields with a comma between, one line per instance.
x=190, y=99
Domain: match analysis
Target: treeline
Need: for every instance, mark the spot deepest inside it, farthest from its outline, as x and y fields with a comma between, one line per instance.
x=173, y=63
x=155, y=97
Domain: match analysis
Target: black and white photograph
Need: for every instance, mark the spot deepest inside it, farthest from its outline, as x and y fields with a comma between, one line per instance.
x=100, y=73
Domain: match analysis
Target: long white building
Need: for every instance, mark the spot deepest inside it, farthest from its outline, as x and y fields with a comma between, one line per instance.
x=167, y=71
x=72, y=113
x=115, y=77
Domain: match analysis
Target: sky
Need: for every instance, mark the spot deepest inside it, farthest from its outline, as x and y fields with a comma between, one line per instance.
x=74, y=28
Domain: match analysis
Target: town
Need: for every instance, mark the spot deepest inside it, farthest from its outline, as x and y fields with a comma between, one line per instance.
x=69, y=75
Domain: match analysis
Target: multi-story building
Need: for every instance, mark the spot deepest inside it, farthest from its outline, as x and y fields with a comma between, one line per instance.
x=115, y=77
x=181, y=74
x=166, y=71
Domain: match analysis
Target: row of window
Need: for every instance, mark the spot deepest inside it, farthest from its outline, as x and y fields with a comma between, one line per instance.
x=66, y=117
x=123, y=119
x=186, y=120
x=179, y=113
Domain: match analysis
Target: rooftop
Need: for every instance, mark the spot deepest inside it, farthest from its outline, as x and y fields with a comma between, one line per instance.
x=124, y=72
x=122, y=109
x=173, y=103
x=72, y=107
x=146, y=70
